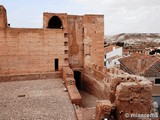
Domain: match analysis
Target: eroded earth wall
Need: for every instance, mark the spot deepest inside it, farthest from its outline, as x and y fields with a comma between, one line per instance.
x=76, y=43
x=29, y=51
x=130, y=94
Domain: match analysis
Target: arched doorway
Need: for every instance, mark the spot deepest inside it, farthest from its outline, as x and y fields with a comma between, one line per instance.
x=55, y=23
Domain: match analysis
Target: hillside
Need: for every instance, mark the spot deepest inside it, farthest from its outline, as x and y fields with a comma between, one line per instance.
x=133, y=38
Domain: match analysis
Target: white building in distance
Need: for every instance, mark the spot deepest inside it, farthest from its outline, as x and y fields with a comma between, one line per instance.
x=111, y=55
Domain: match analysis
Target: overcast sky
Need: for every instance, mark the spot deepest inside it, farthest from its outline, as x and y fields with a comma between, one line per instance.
x=121, y=16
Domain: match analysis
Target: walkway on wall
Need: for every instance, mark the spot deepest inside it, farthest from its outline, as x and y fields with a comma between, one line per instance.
x=87, y=110
x=88, y=100
x=35, y=99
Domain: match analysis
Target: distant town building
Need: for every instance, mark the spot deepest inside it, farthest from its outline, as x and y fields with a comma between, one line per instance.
x=143, y=50
x=144, y=65
x=111, y=56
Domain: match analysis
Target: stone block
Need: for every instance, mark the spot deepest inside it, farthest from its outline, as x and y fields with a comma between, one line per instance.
x=133, y=98
x=103, y=109
x=74, y=94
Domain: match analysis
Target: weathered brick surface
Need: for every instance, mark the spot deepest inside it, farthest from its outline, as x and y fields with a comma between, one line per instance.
x=93, y=43
x=133, y=98
x=128, y=93
x=3, y=17
x=27, y=51
x=75, y=42
x=67, y=73
x=33, y=51
x=103, y=109
x=69, y=81
x=30, y=77
x=74, y=94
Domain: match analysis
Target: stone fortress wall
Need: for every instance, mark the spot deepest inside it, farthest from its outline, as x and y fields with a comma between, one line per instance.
x=75, y=42
x=66, y=44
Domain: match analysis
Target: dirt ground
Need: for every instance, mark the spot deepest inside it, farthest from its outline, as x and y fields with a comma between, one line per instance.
x=35, y=100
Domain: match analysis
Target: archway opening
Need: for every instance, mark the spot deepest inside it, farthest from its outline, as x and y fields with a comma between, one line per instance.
x=55, y=23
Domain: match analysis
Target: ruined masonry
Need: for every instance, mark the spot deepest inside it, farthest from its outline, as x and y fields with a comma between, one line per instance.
x=68, y=46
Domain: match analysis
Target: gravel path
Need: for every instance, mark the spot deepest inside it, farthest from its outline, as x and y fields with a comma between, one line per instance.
x=35, y=100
